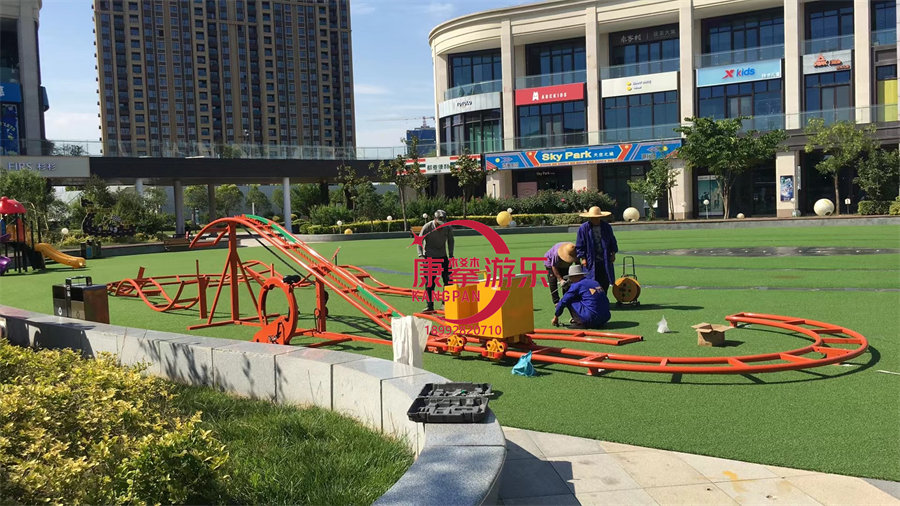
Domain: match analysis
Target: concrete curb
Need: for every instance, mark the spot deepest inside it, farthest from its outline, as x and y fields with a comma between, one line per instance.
x=374, y=391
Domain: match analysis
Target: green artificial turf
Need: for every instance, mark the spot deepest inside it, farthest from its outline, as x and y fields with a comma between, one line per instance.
x=840, y=419
x=286, y=455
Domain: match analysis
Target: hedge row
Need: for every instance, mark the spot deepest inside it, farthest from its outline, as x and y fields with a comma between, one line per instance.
x=870, y=207
x=79, y=431
x=396, y=226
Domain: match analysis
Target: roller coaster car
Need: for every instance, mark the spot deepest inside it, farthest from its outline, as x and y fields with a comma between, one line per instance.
x=626, y=289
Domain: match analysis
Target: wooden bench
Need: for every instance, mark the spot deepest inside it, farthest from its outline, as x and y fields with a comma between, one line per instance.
x=415, y=230
x=176, y=243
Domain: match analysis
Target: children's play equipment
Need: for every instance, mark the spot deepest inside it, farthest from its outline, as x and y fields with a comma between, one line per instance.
x=508, y=332
x=17, y=235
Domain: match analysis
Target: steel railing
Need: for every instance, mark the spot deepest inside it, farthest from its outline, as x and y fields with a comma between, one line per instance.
x=746, y=55
x=464, y=90
x=642, y=68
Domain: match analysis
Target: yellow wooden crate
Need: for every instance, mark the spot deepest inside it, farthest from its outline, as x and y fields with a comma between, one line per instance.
x=460, y=301
x=515, y=317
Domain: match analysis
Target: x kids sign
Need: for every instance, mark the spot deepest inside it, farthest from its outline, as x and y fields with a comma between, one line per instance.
x=550, y=94
x=729, y=74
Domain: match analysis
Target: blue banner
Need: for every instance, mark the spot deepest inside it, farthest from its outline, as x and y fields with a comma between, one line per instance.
x=739, y=73
x=10, y=93
x=9, y=129
x=612, y=153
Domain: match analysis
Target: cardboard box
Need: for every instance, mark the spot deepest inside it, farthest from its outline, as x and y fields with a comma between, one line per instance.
x=709, y=334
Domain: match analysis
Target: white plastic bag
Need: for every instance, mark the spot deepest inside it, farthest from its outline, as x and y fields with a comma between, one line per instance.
x=409, y=338
x=663, y=326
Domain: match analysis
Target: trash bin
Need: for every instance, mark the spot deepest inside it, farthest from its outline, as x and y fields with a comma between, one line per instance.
x=86, y=250
x=85, y=301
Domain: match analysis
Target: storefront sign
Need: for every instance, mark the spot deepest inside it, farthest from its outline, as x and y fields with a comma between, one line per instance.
x=831, y=61
x=709, y=197
x=469, y=103
x=645, y=35
x=728, y=74
x=635, y=85
x=9, y=129
x=549, y=94
x=577, y=156
x=49, y=166
x=438, y=164
x=786, y=185
x=10, y=93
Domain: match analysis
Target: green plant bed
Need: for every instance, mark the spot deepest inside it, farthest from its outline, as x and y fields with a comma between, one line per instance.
x=87, y=431
x=839, y=419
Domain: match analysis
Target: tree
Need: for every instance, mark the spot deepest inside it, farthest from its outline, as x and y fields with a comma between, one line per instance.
x=231, y=151
x=717, y=145
x=844, y=145
x=470, y=173
x=32, y=190
x=155, y=198
x=68, y=150
x=404, y=176
x=97, y=192
x=130, y=207
x=196, y=197
x=258, y=200
x=228, y=199
x=349, y=180
x=879, y=175
x=657, y=182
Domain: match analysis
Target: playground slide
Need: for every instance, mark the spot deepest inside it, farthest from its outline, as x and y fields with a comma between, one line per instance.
x=58, y=256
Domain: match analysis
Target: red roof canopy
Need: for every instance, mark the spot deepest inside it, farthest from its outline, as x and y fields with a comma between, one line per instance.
x=11, y=206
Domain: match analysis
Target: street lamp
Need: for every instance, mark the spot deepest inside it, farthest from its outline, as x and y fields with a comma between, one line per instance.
x=389, y=220
x=339, y=223
x=706, y=203
x=847, y=203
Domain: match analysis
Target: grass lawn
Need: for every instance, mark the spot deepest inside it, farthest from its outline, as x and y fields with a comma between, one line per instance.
x=285, y=455
x=840, y=419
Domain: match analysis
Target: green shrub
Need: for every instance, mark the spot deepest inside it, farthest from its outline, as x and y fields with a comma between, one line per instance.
x=870, y=207
x=329, y=215
x=895, y=207
x=87, y=431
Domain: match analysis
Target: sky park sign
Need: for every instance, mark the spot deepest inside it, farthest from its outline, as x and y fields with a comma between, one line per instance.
x=612, y=153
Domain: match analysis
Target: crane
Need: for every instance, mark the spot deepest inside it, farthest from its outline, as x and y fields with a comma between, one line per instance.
x=424, y=119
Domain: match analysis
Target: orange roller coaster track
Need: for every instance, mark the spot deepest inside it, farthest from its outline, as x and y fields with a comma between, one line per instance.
x=831, y=344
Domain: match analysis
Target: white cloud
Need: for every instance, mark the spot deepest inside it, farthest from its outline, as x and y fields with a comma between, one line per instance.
x=72, y=126
x=444, y=10
x=369, y=89
x=362, y=8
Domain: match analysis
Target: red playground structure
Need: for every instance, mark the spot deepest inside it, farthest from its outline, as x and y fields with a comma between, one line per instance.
x=831, y=344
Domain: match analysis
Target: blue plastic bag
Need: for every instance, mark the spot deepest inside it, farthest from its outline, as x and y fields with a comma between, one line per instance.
x=524, y=367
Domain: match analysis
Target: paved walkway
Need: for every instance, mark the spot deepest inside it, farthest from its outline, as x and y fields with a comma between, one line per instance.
x=544, y=468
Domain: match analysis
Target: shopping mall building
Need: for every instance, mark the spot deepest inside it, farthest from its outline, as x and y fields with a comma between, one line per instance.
x=583, y=93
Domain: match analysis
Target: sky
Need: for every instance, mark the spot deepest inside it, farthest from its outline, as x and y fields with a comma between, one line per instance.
x=392, y=67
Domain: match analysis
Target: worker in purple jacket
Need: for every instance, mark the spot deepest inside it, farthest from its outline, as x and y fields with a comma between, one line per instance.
x=596, y=246
x=585, y=300
x=557, y=261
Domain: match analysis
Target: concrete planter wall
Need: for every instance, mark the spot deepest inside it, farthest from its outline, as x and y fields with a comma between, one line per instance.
x=455, y=464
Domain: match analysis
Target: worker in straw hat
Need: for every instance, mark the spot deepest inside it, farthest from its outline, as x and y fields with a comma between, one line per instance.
x=596, y=246
x=585, y=300
x=557, y=261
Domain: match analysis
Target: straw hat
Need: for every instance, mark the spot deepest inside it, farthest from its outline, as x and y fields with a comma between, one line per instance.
x=566, y=252
x=595, y=212
x=576, y=270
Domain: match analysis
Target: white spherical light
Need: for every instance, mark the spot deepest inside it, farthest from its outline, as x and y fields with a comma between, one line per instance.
x=631, y=214
x=425, y=216
x=390, y=218
x=65, y=231
x=741, y=216
x=509, y=210
x=824, y=207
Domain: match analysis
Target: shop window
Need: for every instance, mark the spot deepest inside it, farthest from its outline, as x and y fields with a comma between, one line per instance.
x=557, y=124
x=829, y=92
x=555, y=57
x=886, y=92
